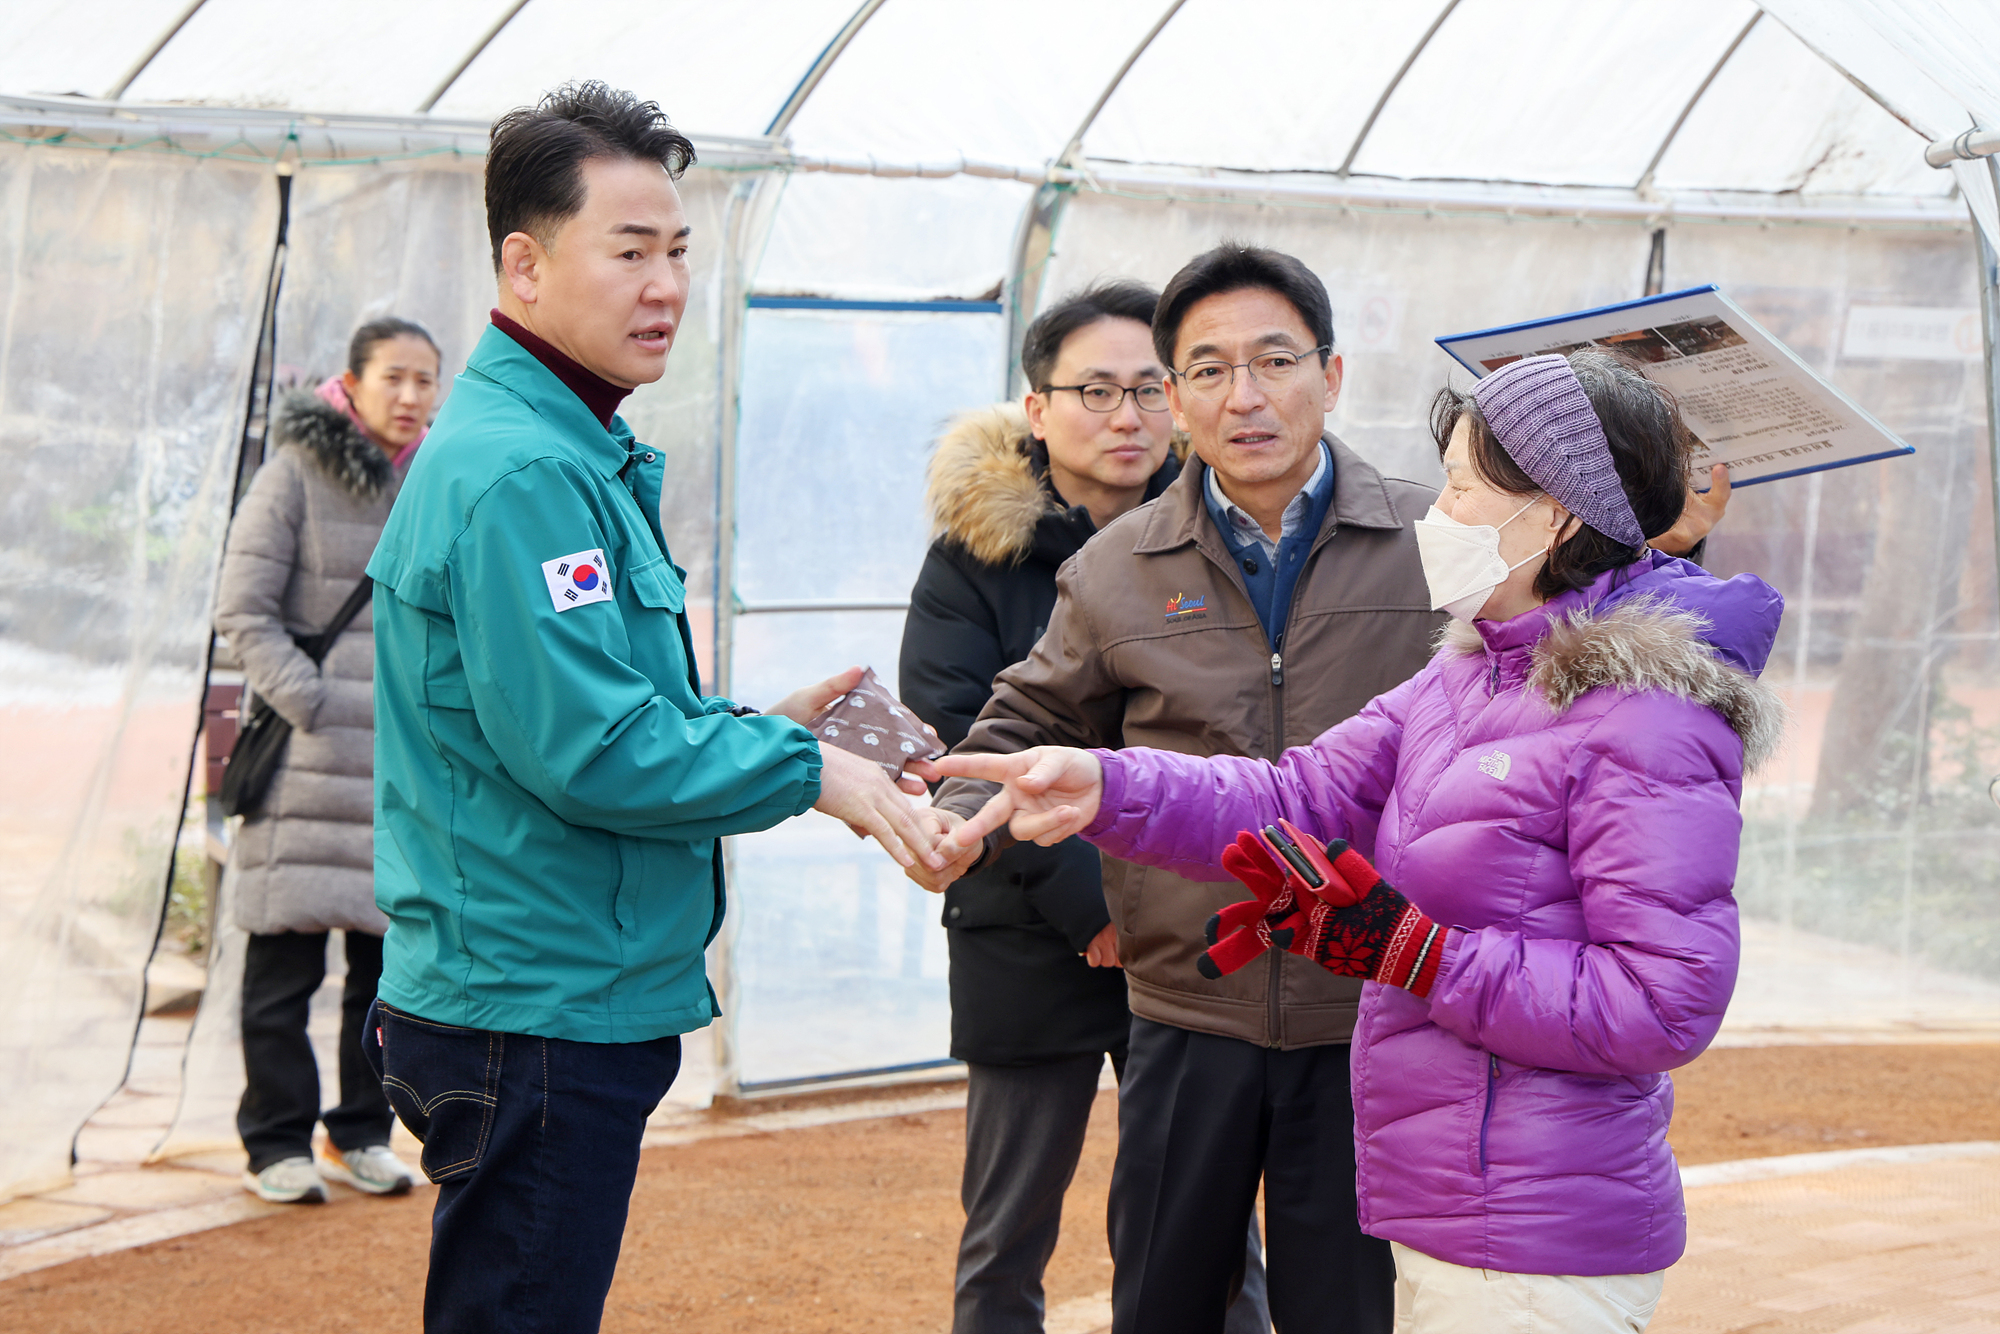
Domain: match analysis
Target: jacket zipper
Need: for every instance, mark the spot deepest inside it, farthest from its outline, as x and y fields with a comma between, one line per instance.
x=1275, y=1001
x=1274, y=1020
x=1486, y=1117
x=1274, y=998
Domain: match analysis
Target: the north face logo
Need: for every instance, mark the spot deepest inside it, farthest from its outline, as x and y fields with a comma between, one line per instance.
x=1496, y=764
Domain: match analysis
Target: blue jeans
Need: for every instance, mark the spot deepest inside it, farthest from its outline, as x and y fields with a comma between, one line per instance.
x=534, y=1145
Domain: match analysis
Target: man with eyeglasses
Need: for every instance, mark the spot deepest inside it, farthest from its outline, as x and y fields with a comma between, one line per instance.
x=1267, y=594
x=1037, y=998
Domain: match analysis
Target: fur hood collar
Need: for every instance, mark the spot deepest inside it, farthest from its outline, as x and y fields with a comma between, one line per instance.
x=984, y=491
x=1643, y=643
x=330, y=439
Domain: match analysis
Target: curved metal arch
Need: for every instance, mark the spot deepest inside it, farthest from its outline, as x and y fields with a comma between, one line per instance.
x=1067, y=158
x=139, y=65
x=478, y=49
x=817, y=71
x=1034, y=239
x=1347, y=163
x=1660, y=153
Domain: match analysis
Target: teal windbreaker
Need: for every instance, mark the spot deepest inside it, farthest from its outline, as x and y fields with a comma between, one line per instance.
x=549, y=781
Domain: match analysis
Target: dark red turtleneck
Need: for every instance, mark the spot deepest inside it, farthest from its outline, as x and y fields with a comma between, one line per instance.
x=598, y=394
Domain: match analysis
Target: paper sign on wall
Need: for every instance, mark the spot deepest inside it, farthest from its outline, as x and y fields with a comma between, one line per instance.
x=1914, y=333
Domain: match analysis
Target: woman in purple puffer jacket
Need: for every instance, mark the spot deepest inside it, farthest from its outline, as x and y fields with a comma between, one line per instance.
x=1557, y=796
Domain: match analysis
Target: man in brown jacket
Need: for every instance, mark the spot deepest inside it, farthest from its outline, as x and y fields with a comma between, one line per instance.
x=1272, y=591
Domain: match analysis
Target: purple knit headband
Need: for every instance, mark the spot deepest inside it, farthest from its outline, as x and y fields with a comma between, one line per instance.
x=1543, y=419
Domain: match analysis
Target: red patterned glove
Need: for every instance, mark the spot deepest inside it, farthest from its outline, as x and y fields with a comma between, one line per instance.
x=1361, y=927
x=1242, y=931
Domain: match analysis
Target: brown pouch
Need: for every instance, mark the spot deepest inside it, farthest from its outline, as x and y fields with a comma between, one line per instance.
x=867, y=721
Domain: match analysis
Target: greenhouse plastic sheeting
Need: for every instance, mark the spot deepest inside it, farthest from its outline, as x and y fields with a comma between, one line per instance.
x=926, y=239
x=930, y=80
x=1816, y=132
x=932, y=83
x=339, y=55
x=837, y=958
x=401, y=239
x=1934, y=62
x=130, y=322
x=1872, y=827
x=81, y=48
x=720, y=69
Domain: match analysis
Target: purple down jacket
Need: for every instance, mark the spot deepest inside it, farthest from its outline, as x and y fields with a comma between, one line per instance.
x=1562, y=788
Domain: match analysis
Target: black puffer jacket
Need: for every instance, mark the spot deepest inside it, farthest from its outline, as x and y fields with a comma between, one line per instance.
x=1021, y=993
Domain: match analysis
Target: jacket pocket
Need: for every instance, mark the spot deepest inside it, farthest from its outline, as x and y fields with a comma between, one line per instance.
x=443, y=1082
x=631, y=880
x=1486, y=1113
x=655, y=585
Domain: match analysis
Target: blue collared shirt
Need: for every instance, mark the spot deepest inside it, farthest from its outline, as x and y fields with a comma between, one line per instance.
x=1271, y=569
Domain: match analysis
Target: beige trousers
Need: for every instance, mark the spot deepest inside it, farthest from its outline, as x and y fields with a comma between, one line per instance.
x=1435, y=1297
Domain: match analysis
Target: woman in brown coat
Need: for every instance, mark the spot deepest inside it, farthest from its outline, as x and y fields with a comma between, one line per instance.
x=303, y=862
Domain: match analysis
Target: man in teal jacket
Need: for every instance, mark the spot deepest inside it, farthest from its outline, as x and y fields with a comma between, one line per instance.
x=550, y=783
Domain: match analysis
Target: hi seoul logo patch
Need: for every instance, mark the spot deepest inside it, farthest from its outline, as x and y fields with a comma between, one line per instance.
x=1181, y=607
x=1495, y=764
x=577, y=579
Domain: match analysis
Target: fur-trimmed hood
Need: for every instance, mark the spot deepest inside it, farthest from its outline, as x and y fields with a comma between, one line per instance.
x=984, y=490
x=330, y=439
x=1671, y=628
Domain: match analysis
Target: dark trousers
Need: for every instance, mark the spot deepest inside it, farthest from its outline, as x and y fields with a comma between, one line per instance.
x=281, y=1094
x=1024, y=1129
x=1200, y=1120
x=534, y=1145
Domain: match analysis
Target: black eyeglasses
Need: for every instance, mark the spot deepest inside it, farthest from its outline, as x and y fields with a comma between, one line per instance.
x=1211, y=379
x=1103, y=396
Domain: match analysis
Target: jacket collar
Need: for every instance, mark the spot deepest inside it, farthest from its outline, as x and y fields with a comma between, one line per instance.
x=1634, y=629
x=515, y=369
x=1180, y=517
x=1063, y=528
x=1503, y=639
x=332, y=440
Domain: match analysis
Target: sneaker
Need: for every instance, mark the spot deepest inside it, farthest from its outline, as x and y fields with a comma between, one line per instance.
x=375, y=1169
x=287, y=1181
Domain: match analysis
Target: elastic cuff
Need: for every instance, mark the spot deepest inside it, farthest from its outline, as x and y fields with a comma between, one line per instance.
x=814, y=763
x=1415, y=952
x=1112, y=794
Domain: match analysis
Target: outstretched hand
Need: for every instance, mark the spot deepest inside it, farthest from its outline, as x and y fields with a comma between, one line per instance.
x=938, y=876
x=1047, y=794
x=808, y=702
x=856, y=791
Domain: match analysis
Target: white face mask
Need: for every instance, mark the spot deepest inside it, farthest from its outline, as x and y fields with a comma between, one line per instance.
x=1462, y=561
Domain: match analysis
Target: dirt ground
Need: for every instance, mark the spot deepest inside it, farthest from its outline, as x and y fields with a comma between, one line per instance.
x=849, y=1228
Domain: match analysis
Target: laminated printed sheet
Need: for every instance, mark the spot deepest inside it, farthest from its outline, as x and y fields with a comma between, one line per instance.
x=1751, y=402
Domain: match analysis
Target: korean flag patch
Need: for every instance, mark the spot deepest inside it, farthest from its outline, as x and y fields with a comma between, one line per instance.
x=578, y=579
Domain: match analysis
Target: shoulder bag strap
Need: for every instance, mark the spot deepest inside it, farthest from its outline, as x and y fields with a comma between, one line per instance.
x=317, y=646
